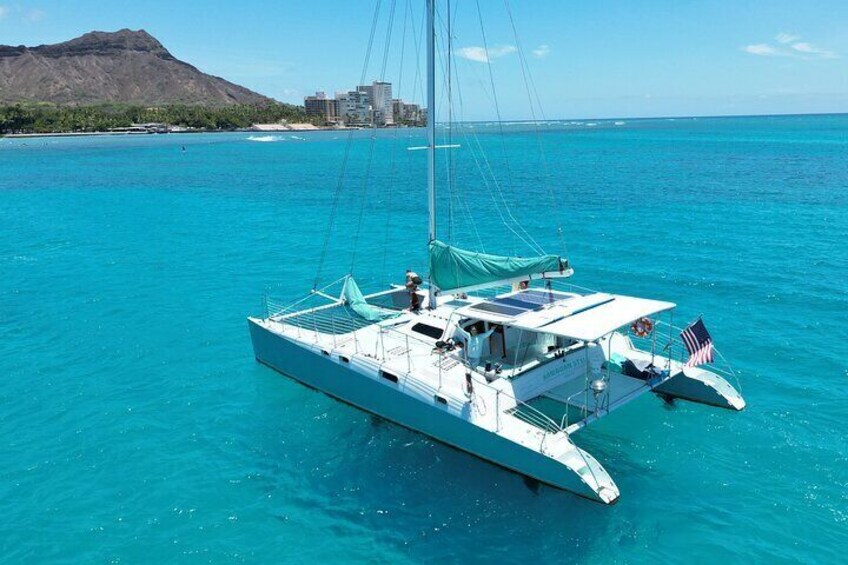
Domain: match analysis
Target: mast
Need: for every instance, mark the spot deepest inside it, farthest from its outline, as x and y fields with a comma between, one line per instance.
x=431, y=132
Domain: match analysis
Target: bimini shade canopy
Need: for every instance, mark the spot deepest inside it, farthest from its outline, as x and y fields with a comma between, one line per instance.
x=599, y=315
x=452, y=268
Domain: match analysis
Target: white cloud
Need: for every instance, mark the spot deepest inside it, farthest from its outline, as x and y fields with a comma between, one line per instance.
x=789, y=46
x=811, y=50
x=761, y=49
x=479, y=54
x=541, y=51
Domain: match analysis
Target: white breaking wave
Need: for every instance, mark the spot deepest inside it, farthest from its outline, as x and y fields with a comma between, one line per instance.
x=266, y=138
x=272, y=138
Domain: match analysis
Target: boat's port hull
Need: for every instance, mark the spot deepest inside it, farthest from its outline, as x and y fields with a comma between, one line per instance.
x=703, y=387
x=328, y=374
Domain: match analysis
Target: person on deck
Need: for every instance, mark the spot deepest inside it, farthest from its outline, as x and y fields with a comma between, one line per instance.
x=474, y=344
x=412, y=282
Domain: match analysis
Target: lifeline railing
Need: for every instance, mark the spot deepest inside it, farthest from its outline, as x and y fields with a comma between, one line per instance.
x=665, y=342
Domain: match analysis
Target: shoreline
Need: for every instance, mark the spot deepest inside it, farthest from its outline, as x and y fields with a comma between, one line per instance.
x=281, y=129
x=275, y=128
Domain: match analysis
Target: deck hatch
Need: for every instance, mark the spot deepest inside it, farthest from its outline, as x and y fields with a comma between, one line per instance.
x=434, y=332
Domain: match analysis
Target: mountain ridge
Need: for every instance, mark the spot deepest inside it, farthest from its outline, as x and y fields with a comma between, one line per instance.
x=125, y=66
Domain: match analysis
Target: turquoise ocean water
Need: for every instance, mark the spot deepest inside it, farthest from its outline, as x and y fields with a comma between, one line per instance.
x=135, y=425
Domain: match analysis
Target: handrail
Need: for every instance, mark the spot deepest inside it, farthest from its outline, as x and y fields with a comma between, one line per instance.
x=724, y=370
x=299, y=301
x=584, y=411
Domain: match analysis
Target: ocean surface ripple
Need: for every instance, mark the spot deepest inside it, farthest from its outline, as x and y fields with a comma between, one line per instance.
x=137, y=427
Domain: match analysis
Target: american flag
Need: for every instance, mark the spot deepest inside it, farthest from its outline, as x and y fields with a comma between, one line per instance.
x=698, y=343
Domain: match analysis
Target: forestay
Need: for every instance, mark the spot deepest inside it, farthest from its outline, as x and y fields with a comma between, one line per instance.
x=452, y=268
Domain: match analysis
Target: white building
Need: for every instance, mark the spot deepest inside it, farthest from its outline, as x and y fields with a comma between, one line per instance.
x=381, y=100
x=354, y=107
x=380, y=95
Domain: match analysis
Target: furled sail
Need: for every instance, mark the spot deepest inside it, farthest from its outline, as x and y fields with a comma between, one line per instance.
x=353, y=297
x=452, y=268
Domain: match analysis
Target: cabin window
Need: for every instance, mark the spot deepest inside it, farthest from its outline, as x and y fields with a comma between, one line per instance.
x=389, y=376
x=428, y=330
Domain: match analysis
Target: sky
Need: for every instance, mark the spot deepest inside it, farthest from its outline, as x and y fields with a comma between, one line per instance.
x=586, y=58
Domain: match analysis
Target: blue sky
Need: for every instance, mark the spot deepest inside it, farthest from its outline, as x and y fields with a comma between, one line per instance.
x=588, y=59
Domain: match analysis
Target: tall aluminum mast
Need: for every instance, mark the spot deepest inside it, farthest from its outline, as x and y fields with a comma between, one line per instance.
x=431, y=130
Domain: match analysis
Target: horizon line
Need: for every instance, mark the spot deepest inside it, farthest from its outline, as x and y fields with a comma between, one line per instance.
x=669, y=117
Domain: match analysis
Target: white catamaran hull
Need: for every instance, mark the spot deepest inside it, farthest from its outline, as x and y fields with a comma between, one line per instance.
x=702, y=386
x=339, y=379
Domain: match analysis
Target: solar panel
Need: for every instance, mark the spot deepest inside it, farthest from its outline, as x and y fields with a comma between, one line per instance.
x=541, y=297
x=514, y=302
x=520, y=303
x=501, y=309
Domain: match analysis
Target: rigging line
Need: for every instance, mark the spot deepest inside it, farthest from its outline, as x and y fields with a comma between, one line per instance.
x=445, y=65
x=449, y=68
x=440, y=59
x=452, y=121
x=449, y=156
x=393, y=165
x=524, y=239
x=483, y=176
x=466, y=208
x=528, y=81
x=501, y=132
x=417, y=34
x=473, y=151
x=487, y=186
x=463, y=202
x=367, y=177
x=449, y=131
x=445, y=58
x=346, y=157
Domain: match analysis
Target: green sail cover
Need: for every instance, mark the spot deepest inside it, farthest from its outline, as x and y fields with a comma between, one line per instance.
x=452, y=268
x=353, y=297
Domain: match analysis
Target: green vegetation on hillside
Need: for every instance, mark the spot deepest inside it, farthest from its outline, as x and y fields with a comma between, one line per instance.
x=49, y=118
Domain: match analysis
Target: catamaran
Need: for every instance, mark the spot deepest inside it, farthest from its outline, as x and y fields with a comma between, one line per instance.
x=503, y=360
